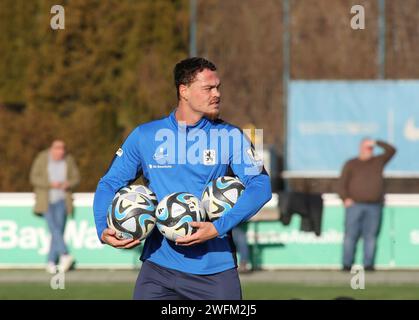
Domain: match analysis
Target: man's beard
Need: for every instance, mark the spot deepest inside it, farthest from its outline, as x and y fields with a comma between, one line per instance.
x=213, y=115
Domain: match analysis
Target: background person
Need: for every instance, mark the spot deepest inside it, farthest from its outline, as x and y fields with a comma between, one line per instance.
x=361, y=187
x=240, y=240
x=54, y=174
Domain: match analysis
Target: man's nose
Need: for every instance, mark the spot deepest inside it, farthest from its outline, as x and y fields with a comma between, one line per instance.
x=216, y=92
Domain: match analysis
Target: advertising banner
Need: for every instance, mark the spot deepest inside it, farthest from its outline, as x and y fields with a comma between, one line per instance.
x=328, y=119
x=24, y=238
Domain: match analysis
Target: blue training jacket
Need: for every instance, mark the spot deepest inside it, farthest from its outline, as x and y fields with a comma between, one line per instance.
x=173, y=157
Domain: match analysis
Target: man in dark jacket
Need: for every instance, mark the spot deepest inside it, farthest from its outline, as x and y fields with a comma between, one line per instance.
x=361, y=187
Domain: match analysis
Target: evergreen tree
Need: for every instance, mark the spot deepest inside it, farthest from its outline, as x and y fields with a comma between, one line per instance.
x=89, y=84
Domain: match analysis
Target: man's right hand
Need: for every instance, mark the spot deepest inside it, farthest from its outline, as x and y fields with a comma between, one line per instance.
x=109, y=237
x=348, y=202
x=56, y=185
x=371, y=143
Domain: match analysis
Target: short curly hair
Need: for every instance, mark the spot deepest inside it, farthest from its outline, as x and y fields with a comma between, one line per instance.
x=186, y=70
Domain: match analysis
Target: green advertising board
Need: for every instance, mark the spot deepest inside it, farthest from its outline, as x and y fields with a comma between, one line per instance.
x=24, y=238
x=24, y=241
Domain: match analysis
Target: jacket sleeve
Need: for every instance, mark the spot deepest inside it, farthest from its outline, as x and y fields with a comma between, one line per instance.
x=249, y=169
x=389, y=151
x=344, y=181
x=74, y=176
x=125, y=167
x=38, y=176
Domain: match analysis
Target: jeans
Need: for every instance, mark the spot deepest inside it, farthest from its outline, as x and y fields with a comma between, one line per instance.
x=240, y=240
x=361, y=220
x=56, y=218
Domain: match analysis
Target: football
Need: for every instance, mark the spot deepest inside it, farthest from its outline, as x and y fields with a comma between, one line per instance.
x=220, y=195
x=131, y=215
x=139, y=189
x=175, y=212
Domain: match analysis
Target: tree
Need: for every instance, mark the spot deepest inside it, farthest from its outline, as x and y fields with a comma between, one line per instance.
x=93, y=82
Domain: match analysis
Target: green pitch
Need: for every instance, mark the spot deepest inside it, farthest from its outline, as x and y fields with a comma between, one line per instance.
x=269, y=291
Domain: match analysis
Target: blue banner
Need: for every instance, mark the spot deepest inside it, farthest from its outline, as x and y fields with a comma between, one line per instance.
x=328, y=119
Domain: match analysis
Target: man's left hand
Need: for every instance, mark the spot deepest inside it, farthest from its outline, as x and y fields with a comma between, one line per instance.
x=206, y=231
x=65, y=186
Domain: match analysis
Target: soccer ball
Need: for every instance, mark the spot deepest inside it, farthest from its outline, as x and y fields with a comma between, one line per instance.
x=131, y=215
x=175, y=212
x=220, y=195
x=138, y=188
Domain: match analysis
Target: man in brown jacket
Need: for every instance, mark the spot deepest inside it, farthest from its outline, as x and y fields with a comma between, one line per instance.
x=361, y=188
x=54, y=174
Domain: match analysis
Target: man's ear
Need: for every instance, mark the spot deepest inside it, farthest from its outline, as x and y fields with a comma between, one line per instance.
x=183, y=92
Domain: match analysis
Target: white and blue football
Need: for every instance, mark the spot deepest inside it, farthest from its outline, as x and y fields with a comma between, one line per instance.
x=132, y=215
x=220, y=195
x=175, y=212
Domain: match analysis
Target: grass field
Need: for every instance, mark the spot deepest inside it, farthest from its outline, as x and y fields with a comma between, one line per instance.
x=270, y=291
